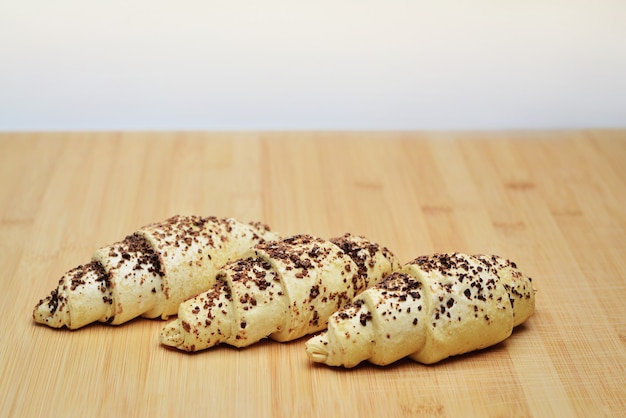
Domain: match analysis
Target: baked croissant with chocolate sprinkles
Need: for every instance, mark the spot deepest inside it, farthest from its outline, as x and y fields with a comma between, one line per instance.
x=282, y=290
x=432, y=308
x=150, y=272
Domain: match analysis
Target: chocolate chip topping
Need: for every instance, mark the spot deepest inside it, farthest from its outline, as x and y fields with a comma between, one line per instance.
x=519, y=290
x=136, y=247
x=401, y=285
x=53, y=301
x=299, y=252
x=360, y=252
x=74, y=279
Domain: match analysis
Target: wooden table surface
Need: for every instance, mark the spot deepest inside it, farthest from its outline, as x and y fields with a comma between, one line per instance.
x=554, y=202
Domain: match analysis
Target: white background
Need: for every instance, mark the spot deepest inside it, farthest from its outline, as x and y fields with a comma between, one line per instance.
x=274, y=64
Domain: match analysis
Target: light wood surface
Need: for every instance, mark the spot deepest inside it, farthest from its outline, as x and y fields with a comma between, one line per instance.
x=554, y=202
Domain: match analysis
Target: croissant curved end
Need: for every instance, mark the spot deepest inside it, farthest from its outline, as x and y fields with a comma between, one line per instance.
x=44, y=314
x=171, y=335
x=316, y=348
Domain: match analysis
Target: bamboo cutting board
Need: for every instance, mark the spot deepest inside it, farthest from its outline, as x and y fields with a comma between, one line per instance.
x=553, y=202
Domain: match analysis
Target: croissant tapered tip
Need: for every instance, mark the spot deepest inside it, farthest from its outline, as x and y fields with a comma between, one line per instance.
x=171, y=335
x=316, y=348
x=46, y=313
x=41, y=311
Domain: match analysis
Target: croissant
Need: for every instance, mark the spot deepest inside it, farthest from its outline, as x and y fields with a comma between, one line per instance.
x=282, y=290
x=150, y=272
x=432, y=308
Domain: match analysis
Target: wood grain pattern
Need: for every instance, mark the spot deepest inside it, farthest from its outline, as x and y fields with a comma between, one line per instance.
x=554, y=202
